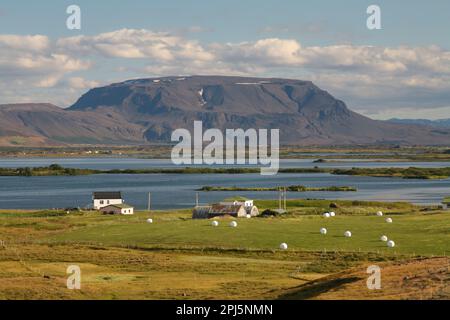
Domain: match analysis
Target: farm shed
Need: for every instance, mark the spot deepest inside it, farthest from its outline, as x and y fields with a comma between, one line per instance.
x=118, y=209
x=219, y=210
x=234, y=210
x=201, y=212
x=248, y=205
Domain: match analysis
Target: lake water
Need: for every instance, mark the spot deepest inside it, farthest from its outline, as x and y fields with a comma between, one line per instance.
x=178, y=190
x=134, y=163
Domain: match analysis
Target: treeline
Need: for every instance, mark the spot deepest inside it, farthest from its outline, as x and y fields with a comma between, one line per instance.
x=52, y=170
x=405, y=173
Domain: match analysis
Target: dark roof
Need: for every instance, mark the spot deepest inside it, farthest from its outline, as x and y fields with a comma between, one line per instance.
x=225, y=209
x=107, y=195
x=120, y=206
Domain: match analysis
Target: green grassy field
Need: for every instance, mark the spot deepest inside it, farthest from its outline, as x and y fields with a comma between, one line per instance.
x=413, y=234
x=124, y=257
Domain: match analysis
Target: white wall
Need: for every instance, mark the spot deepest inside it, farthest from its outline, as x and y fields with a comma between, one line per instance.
x=124, y=211
x=105, y=202
x=128, y=211
x=248, y=203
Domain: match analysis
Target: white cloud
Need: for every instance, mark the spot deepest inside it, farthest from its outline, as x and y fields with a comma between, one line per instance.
x=81, y=83
x=366, y=77
x=135, y=44
x=36, y=43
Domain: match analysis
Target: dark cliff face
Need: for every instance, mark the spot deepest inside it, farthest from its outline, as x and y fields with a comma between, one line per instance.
x=148, y=110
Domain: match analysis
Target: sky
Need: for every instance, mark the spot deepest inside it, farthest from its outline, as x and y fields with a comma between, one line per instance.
x=401, y=70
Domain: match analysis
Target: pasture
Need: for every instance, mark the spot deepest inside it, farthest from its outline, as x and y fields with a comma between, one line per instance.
x=175, y=257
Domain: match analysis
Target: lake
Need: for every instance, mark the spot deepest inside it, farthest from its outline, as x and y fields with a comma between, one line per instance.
x=178, y=190
x=135, y=163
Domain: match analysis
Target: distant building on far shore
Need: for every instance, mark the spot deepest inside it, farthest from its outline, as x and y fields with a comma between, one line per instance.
x=103, y=199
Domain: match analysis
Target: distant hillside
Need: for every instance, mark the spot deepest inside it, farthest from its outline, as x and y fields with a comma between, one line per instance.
x=46, y=124
x=148, y=110
x=441, y=123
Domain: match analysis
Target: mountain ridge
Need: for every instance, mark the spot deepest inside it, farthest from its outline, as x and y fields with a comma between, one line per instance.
x=438, y=123
x=143, y=111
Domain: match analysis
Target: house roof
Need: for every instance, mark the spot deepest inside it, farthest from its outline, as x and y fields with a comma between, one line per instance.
x=107, y=195
x=120, y=206
x=225, y=209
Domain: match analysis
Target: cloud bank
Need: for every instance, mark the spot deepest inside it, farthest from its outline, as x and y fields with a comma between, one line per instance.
x=378, y=81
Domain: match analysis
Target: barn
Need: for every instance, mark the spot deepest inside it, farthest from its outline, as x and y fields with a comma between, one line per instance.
x=122, y=208
x=234, y=210
x=219, y=210
x=249, y=207
x=201, y=212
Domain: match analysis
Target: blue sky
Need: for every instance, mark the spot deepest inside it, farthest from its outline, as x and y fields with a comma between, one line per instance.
x=410, y=22
x=295, y=39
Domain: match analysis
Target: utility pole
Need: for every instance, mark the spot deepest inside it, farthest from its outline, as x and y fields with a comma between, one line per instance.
x=279, y=198
x=149, y=206
x=196, y=199
x=285, y=198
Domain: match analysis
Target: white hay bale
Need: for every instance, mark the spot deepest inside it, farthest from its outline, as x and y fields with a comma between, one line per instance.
x=379, y=213
x=283, y=246
x=391, y=244
x=326, y=215
x=248, y=216
x=149, y=220
x=348, y=234
x=215, y=223
x=389, y=220
x=323, y=231
x=384, y=238
x=332, y=214
x=233, y=224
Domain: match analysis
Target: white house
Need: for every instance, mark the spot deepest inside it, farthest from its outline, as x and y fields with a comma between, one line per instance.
x=103, y=199
x=118, y=209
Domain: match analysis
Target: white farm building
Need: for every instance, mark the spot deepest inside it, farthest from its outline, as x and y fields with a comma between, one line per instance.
x=237, y=209
x=103, y=199
x=117, y=209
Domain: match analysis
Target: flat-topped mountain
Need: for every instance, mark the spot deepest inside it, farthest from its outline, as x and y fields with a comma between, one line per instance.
x=148, y=110
x=304, y=113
